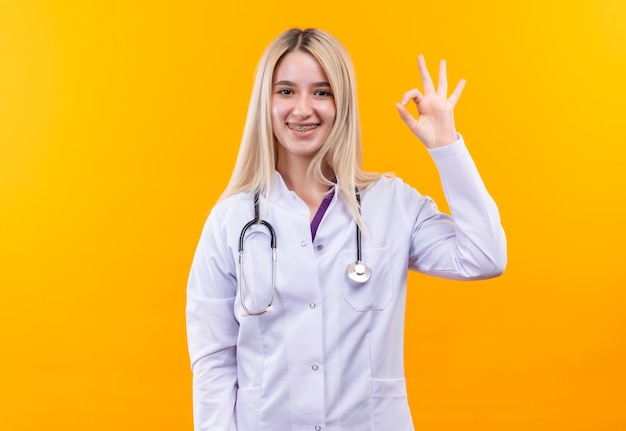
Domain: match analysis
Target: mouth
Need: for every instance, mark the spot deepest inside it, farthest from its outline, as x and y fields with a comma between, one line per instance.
x=302, y=128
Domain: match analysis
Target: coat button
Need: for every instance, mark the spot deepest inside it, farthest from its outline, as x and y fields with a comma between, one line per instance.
x=318, y=428
x=303, y=243
x=315, y=367
x=320, y=247
x=312, y=305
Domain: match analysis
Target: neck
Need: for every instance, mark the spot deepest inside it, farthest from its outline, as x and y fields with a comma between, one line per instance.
x=294, y=173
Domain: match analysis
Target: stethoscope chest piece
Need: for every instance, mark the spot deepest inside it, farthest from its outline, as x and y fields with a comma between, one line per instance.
x=359, y=272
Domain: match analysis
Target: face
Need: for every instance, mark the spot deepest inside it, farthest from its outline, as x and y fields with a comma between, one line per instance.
x=303, y=108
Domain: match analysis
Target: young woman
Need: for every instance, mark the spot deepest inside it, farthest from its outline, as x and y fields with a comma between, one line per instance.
x=296, y=295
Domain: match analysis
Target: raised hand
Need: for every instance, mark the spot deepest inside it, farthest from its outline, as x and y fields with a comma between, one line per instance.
x=434, y=125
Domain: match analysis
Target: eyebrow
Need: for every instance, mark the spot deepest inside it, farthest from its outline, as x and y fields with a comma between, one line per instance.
x=293, y=84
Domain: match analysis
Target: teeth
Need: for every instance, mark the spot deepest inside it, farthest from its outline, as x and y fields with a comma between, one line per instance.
x=302, y=128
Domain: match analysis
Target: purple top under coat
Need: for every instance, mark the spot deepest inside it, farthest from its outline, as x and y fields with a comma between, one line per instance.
x=319, y=215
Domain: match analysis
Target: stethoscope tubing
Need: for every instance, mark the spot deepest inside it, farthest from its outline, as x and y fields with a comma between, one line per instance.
x=357, y=271
x=256, y=220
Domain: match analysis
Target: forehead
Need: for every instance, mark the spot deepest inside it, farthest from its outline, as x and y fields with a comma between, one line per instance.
x=299, y=66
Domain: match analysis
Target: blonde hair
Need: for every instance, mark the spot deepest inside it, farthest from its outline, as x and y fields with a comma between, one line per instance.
x=256, y=161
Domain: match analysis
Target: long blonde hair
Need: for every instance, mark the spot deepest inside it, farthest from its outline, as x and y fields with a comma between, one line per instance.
x=256, y=161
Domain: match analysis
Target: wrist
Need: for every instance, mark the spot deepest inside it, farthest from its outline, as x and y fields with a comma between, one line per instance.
x=444, y=140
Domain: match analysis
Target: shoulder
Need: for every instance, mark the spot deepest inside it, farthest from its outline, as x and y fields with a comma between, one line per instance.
x=390, y=188
x=394, y=201
x=228, y=214
x=232, y=205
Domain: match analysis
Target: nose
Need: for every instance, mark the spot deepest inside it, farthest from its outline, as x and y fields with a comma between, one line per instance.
x=303, y=108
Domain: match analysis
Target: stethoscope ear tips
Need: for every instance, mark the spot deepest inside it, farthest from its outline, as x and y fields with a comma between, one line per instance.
x=359, y=272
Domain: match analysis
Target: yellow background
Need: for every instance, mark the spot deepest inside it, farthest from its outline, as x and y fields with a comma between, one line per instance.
x=119, y=126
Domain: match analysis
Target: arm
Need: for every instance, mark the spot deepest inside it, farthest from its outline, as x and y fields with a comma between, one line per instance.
x=470, y=244
x=212, y=332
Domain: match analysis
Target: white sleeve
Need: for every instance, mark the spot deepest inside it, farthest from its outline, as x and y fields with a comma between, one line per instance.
x=212, y=331
x=471, y=243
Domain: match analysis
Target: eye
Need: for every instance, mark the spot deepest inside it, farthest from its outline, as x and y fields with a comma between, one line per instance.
x=323, y=93
x=285, y=91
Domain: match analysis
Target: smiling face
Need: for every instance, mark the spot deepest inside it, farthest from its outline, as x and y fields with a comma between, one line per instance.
x=303, y=108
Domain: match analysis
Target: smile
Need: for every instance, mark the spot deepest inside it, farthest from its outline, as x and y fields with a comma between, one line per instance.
x=302, y=128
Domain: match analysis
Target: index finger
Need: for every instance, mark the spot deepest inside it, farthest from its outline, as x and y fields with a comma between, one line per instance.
x=442, y=83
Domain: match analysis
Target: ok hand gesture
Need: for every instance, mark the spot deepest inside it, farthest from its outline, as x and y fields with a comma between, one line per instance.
x=435, y=123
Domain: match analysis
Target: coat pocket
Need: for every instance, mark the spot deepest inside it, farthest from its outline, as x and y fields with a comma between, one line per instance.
x=375, y=293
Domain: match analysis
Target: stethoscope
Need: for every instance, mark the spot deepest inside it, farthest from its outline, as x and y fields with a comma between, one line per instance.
x=357, y=271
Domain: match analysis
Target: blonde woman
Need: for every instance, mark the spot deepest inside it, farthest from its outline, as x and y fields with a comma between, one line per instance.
x=296, y=295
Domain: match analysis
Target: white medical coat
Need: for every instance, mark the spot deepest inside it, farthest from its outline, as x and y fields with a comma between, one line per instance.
x=330, y=355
